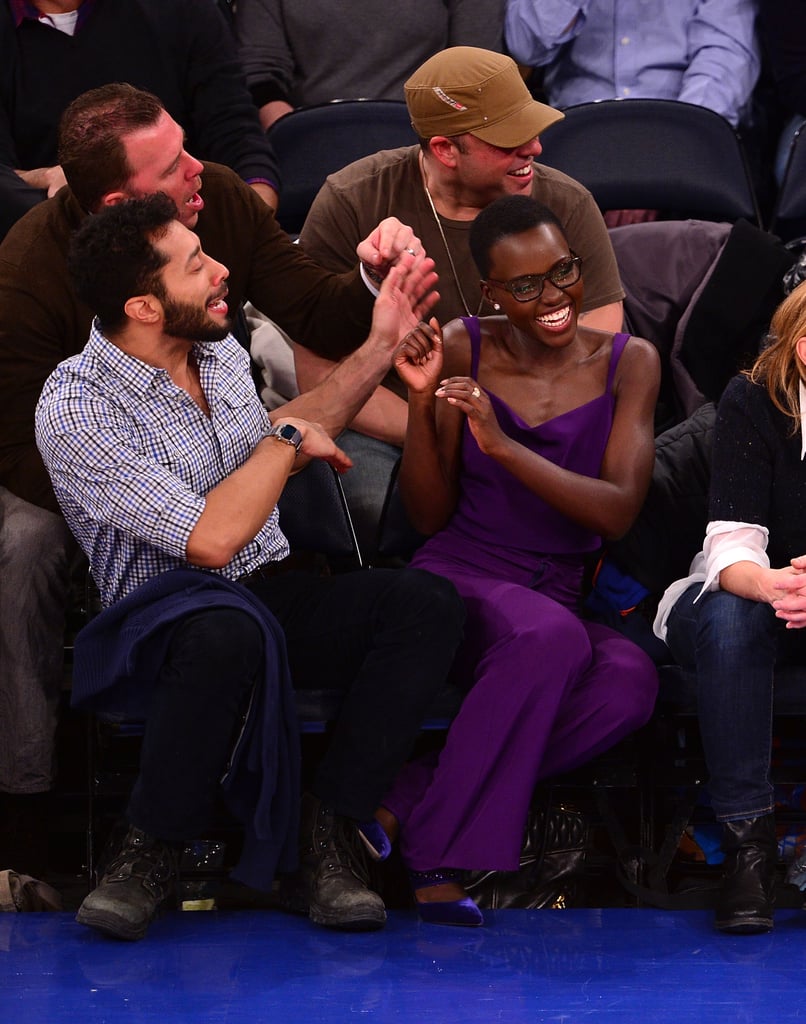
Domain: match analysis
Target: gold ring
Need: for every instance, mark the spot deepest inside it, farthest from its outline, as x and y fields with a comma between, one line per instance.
x=476, y=393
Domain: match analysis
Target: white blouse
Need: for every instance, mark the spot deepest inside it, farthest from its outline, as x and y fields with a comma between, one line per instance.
x=725, y=544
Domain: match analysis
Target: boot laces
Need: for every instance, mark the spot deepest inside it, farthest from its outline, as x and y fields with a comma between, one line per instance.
x=143, y=857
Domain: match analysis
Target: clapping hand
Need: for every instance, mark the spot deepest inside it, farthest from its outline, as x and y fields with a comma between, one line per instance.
x=418, y=360
x=405, y=298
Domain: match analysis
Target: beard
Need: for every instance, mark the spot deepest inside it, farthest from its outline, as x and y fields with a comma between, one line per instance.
x=192, y=324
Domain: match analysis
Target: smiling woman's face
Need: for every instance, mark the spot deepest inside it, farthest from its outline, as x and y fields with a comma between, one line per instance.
x=552, y=316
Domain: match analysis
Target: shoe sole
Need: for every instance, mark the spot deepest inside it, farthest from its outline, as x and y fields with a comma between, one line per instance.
x=111, y=925
x=368, y=923
x=757, y=927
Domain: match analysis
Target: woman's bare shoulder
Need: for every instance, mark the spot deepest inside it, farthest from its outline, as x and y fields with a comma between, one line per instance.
x=641, y=353
x=638, y=370
x=456, y=349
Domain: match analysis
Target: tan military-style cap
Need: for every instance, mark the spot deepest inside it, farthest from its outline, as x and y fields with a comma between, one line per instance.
x=466, y=89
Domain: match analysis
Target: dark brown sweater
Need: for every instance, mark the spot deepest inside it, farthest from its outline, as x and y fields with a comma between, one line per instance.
x=42, y=322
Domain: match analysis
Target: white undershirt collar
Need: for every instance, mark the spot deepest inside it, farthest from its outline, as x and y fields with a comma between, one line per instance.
x=63, y=22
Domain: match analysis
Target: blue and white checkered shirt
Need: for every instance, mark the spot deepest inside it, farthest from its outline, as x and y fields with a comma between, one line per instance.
x=131, y=457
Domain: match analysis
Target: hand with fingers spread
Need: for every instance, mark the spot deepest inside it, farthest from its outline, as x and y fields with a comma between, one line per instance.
x=418, y=360
x=406, y=296
x=474, y=402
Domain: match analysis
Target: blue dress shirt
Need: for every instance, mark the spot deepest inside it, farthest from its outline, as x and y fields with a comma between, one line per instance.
x=698, y=51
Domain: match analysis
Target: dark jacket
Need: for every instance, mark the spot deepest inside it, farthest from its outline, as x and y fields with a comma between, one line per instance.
x=181, y=50
x=117, y=659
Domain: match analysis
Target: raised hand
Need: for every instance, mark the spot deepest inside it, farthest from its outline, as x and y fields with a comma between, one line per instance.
x=418, y=360
x=384, y=245
x=405, y=298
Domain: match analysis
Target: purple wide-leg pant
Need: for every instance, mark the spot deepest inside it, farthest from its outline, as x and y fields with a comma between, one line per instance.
x=550, y=691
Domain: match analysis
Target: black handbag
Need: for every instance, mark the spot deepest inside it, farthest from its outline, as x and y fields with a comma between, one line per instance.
x=552, y=864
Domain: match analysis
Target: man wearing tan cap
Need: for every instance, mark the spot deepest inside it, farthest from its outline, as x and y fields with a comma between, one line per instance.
x=479, y=127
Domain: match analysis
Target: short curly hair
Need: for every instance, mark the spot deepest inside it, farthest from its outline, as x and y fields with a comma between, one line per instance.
x=113, y=257
x=509, y=215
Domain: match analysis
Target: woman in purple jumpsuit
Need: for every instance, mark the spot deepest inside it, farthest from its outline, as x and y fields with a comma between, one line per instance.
x=530, y=440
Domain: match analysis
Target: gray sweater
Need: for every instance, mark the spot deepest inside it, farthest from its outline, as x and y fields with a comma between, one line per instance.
x=322, y=50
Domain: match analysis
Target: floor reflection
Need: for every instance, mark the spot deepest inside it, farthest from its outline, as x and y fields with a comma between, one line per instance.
x=535, y=966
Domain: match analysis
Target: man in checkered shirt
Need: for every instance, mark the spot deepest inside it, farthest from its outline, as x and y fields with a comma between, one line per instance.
x=163, y=460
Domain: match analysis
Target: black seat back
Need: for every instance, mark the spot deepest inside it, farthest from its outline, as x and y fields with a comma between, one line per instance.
x=656, y=155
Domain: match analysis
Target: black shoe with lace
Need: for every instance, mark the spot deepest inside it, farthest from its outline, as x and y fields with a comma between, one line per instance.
x=333, y=872
x=136, y=883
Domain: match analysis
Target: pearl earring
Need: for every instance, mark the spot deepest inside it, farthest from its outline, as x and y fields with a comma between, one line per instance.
x=496, y=305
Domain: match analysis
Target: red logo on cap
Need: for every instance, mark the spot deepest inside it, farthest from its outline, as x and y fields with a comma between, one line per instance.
x=446, y=99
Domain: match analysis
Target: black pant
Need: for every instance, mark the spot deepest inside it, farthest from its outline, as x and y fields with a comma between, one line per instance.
x=214, y=659
x=386, y=638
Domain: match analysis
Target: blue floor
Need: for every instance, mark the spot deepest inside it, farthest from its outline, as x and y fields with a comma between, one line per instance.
x=561, y=967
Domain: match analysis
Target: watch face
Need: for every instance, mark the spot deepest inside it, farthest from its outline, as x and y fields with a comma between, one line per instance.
x=289, y=433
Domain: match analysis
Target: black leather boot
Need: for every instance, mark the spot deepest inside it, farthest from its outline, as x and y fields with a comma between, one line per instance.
x=332, y=871
x=137, y=883
x=746, y=899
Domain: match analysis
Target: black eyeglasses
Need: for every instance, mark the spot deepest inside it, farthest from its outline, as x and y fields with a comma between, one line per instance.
x=563, y=274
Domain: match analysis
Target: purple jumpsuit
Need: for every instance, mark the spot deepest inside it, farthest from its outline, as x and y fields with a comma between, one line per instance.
x=549, y=690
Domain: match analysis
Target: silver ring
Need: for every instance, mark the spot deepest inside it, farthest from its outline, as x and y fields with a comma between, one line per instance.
x=410, y=250
x=476, y=393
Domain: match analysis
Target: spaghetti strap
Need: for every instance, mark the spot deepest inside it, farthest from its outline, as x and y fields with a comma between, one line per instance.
x=473, y=329
x=619, y=342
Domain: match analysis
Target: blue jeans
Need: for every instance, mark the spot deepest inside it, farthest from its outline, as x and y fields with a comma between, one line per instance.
x=734, y=644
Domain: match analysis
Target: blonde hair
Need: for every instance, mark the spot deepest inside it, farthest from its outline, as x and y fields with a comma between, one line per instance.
x=778, y=368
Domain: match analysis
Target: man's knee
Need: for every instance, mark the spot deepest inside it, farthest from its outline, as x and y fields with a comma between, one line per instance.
x=220, y=650
x=424, y=598
x=225, y=636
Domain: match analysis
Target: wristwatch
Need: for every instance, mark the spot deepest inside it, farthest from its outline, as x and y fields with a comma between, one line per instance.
x=287, y=433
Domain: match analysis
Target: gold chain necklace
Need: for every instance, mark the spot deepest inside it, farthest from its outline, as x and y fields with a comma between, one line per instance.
x=445, y=241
